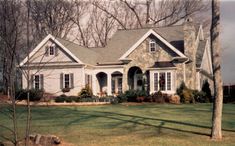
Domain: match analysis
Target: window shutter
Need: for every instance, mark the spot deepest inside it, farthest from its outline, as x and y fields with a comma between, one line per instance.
x=71, y=80
x=32, y=81
x=56, y=51
x=41, y=81
x=47, y=51
x=61, y=81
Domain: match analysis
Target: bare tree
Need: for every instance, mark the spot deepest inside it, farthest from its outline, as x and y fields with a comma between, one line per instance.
x=216, y=132
x=138, y=14
x=10, y=32
x=51, y=17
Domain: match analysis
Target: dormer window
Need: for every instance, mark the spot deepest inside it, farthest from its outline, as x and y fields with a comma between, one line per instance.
x=152, y=46
x=52, y=50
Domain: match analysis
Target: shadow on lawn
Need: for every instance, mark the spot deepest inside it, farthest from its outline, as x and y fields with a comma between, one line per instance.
x=139, y=120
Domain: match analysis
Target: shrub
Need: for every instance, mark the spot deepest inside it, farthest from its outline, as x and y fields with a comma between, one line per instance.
x=175, y=99
x=186, y=95
x=61, y=98
x=159, y=97
x=206, y=89
x=87, y=99
x=121, y=98
x=140, y=98
x=200, y=96
x=85, y=92
x=64, y=98
x=131, y=95
x=34, y=95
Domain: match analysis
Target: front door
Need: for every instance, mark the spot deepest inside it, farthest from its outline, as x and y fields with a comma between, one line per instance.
x=138, y=82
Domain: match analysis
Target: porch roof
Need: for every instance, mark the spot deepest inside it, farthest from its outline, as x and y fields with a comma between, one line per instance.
x=163, y=64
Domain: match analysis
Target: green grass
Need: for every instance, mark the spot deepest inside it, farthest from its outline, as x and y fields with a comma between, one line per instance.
x=147, y=124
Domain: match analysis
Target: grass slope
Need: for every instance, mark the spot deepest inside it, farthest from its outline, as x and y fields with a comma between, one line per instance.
x=146, y=124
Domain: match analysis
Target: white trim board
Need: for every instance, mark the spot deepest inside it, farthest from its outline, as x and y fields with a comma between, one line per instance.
x=123, y=57
x=47, y=38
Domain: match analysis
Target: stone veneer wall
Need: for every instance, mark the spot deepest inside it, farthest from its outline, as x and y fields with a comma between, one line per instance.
x=179, y=75
x=142, y=58
x=190, y=51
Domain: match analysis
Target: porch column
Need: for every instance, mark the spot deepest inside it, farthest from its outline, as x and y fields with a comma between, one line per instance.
x=94, y=85
x=109, y=86
x=124, y=82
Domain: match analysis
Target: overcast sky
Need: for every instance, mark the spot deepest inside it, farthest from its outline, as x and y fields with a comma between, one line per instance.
x=228, y=40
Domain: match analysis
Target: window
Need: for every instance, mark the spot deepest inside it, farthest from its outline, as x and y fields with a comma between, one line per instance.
x=36, y=82
x=152, y=46
x=66, y=81
x=162, y=81
x=155, y=81
x=113, y=85
x=117, y=84
x=168, y=80
x=52, y=50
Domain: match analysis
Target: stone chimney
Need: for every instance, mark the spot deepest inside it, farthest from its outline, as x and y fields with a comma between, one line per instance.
x=190, y=52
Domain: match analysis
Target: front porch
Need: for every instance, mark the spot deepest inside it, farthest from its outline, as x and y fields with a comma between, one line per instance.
x=112, y=83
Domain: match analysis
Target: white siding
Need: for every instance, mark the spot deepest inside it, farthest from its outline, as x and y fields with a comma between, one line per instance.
x=40, y=56
x=52, y=80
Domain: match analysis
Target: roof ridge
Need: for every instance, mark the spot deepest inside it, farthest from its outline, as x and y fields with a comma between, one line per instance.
x=150, y=27
x=71, y=42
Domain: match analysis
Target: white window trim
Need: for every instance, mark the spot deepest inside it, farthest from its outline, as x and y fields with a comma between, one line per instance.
x=64, y=79
x=115, y=79
x=53, y=47
x=39, y=81
x=152, y=41
x=172, y=83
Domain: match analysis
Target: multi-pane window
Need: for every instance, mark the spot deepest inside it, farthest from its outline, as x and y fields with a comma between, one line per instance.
x=36, y=82
x=155, y=81
x=66, y=81
x=152, y=46
x=168, y=80
x=113, y=85
x=119, y=85
x=162, y=81
x=52, y=50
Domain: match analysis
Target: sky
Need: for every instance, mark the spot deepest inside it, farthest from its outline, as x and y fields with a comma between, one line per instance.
x=228, y=41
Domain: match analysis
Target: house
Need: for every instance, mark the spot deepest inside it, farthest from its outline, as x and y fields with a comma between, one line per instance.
x=149, y=58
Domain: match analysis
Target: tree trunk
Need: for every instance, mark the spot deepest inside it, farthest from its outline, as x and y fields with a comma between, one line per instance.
x=216, y=133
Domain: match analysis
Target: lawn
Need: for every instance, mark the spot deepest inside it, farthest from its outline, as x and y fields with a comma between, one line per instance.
x=119, y=125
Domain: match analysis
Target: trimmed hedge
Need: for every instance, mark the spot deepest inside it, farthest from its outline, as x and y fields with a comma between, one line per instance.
x=34, y=95
x=64, y=98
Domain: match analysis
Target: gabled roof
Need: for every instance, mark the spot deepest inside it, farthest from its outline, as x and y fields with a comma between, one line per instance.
x=200, y=52
x=123, y=40
x=86, y=55
x=122, y=44
x=163, y=64
x=46, y=39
